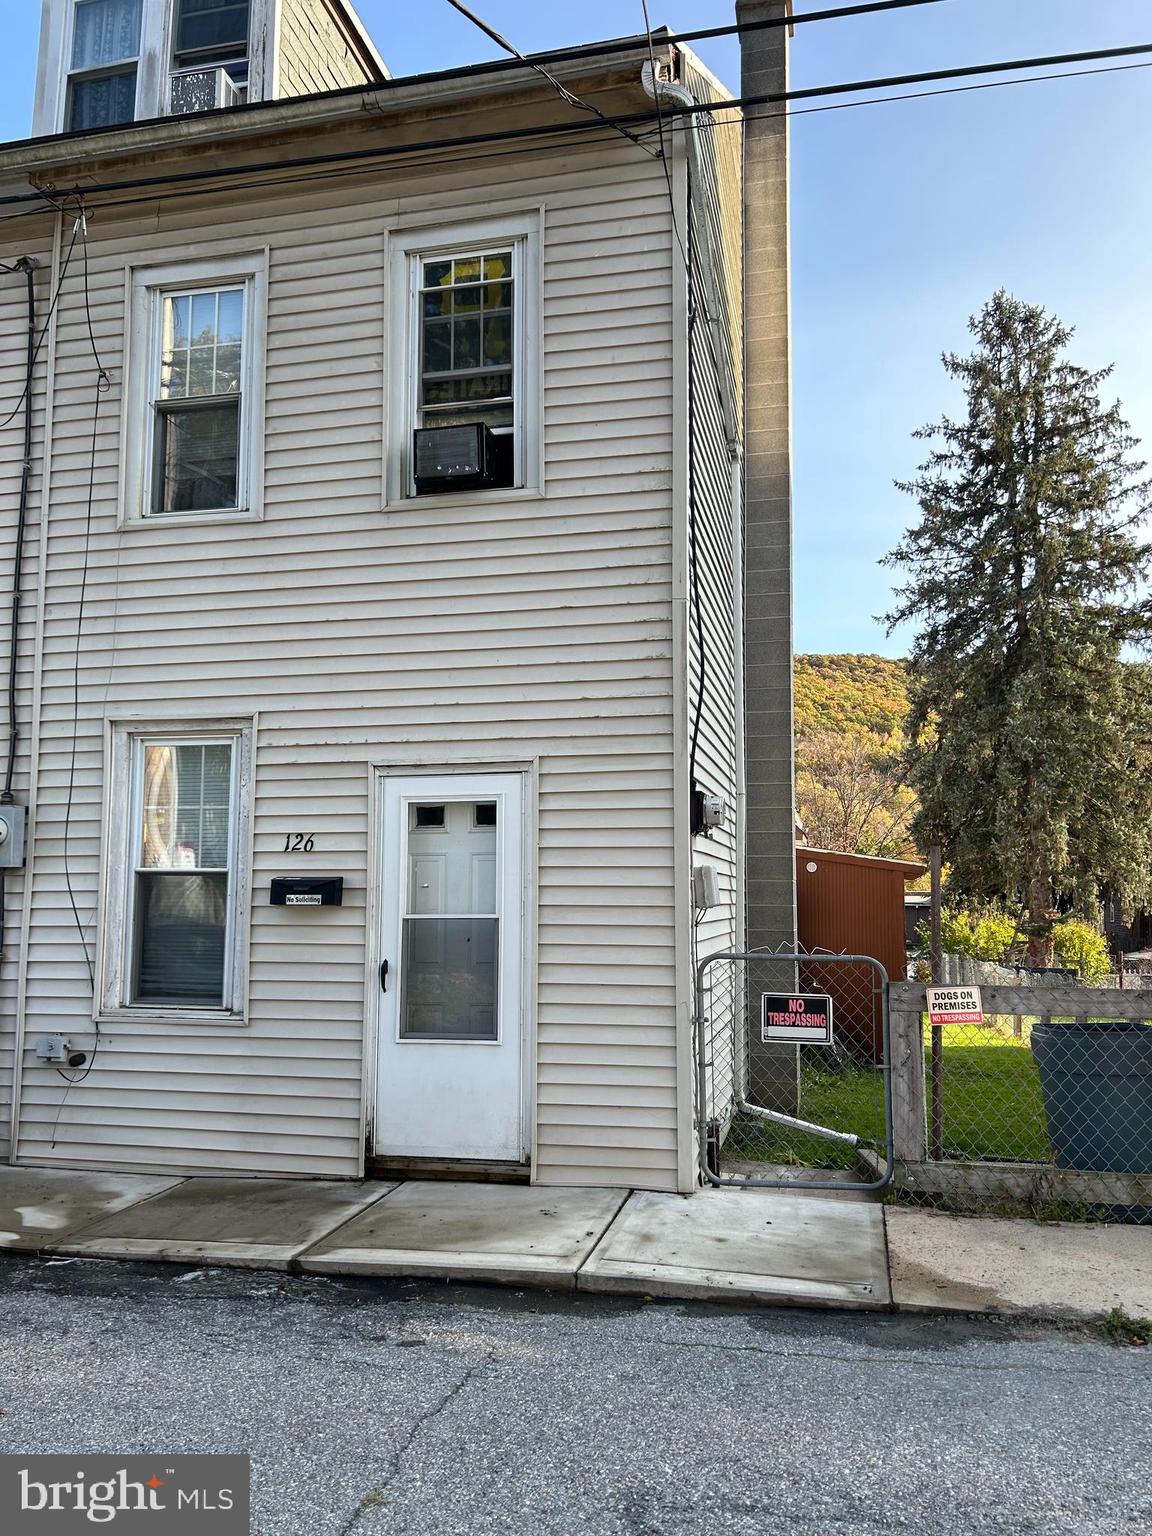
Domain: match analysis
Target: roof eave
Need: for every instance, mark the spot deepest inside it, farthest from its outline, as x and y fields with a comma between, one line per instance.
x=33, y=157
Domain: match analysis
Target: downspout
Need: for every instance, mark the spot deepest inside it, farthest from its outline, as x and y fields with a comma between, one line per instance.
x=667, y=92
x=740, y=811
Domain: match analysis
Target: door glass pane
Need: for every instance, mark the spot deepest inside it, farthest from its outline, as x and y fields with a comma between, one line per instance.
x=448, y=989
x=106, y=32
x=181, y=930
x=451, y=924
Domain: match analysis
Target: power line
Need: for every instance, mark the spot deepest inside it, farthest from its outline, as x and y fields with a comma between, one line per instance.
x=546, y=130
x=562, y=90
x=954, y=90
x=579, y=139
x=577, y=53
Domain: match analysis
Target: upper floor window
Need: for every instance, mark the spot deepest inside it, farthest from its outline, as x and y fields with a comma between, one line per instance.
x=464, y=407
x=193, y=408
x=104, y=63
x=198, y=400
x=210, y=32
x=467, y=348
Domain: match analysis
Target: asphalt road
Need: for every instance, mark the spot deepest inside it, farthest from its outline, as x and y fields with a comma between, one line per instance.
x=373, y=1408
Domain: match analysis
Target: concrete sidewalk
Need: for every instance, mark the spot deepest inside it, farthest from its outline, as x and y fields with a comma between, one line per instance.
x=1078, y=1271
x=737, y=1245
x=759, y=1246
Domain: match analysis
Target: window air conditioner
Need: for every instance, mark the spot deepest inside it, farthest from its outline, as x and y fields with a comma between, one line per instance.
x=458, y=458
x=200, y=90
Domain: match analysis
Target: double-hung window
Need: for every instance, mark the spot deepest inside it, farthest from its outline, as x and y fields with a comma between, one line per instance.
x=466, y=345
x=199, y=400
x=193, y=427
x=104, y=62
x=207, y=33
x=175, y=890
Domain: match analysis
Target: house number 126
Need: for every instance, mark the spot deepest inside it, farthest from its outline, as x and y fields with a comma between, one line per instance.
x=299, y=842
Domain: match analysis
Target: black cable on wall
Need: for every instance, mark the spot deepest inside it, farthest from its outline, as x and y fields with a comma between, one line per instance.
x=28, y=267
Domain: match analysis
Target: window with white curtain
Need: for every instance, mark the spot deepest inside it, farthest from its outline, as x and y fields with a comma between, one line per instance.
x=104, y=63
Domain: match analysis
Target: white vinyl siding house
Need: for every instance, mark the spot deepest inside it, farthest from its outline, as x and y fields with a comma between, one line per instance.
x=338, y=631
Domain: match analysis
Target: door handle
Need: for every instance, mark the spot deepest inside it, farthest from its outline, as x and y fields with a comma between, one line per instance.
x=383, y=975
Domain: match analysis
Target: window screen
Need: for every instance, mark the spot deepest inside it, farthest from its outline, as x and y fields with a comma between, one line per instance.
x=184, y=841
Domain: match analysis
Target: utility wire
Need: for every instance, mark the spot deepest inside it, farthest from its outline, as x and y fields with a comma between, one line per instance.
x=546, y=130
x=103, y=380
x=664, y=157
x=578, y=138
x=11, y=416
x=562, y=90
x=954, y=90
x=577, y=53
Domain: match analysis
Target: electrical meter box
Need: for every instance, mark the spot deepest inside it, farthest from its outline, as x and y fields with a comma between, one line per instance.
x=308, y=891
x=11, y=836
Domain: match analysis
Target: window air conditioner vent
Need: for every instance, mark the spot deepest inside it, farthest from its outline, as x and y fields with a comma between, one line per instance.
x=201, y=90
x=457, y=458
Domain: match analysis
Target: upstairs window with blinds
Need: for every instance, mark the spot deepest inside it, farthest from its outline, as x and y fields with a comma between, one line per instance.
x=104, y=63
x=182, y=903
x=198, y=400
x=211, y=32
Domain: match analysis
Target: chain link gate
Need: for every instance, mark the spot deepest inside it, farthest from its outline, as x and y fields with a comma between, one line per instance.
x=792, y=1114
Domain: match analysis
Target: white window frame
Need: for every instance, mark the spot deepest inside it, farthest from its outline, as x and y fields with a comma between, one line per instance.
x=521, y=233
x=123, y=814
x=147, y=289
x=154, y=69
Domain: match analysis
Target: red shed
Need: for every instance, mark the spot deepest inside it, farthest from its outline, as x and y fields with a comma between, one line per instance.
x=851, y=904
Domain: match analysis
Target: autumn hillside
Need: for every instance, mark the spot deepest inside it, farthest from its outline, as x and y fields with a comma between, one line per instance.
x=850, y=694
x=850, y=789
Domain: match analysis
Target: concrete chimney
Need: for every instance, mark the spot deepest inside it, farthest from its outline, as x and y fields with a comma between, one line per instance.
x=771, y=803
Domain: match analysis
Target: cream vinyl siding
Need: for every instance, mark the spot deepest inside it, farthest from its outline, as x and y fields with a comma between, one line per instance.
x=315, y=54
x=435, y=634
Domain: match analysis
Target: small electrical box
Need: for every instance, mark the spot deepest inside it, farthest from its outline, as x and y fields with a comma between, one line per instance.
x=705, y=887
x=460, y=458
x=308, y=891
x=11, y=836
x=58, y=1051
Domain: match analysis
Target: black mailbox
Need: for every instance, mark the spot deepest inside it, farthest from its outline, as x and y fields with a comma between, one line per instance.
x=308, y=891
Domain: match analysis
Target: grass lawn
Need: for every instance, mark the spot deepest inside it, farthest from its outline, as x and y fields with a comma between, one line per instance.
x=992, y=1105
x=992, y=1102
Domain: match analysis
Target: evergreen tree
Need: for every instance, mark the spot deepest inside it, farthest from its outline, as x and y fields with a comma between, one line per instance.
x=1029, y=736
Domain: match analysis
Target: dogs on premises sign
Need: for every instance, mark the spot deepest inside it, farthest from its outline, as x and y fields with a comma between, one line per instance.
x=954, y=1005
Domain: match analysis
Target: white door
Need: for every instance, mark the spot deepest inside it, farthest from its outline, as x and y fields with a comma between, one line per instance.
x=449, y=1073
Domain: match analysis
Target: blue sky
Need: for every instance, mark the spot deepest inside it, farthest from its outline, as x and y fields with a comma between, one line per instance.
x=906, y=217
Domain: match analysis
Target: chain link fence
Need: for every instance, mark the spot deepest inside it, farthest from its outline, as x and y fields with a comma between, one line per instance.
x=1043, y=1107
x=792, y=1091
